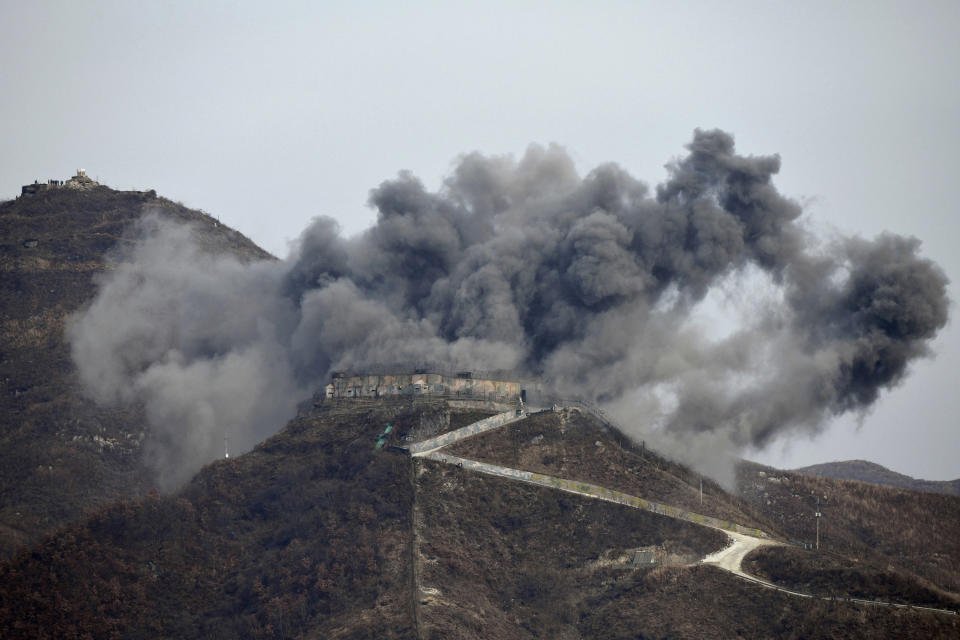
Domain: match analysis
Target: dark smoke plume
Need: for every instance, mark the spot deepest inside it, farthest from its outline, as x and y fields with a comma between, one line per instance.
x=591, y=282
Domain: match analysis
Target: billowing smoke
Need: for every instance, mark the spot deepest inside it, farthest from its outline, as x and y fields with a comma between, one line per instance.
x=591, y=282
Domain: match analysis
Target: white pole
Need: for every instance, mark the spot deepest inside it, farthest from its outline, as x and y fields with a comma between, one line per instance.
x=817, y=514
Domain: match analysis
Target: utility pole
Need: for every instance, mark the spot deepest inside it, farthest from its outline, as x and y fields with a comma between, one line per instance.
x=701, y=490
x=817, y=515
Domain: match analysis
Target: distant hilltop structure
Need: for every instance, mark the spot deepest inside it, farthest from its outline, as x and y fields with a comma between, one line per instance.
x=80, y=181
x=462, y=385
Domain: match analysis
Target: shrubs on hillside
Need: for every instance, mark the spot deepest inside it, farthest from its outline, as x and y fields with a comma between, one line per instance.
x=830, y=575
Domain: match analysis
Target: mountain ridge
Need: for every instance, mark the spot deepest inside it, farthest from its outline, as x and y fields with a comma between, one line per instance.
x=317, y=533
x=866, y=471
x=62, y=454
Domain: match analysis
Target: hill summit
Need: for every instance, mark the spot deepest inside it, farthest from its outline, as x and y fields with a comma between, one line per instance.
x=61, y=454
x=874, y=473
x=80, y=181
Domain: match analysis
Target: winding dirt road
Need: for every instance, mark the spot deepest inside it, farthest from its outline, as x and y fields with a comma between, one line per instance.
x=730, y=558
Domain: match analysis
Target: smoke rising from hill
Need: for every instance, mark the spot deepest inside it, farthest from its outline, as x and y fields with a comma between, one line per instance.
x=588, y=281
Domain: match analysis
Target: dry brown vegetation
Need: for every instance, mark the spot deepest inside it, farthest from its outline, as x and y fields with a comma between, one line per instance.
x=55, y=465
x=311, y=535
x=308, y=532
x=706, y=603
x=826, y=574
x=514, y=560
x=913, y=531
x=873, y=473
x=314, y=535
x=576, y=446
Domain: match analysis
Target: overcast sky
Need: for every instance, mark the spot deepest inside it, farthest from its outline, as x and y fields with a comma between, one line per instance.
x=267, y=114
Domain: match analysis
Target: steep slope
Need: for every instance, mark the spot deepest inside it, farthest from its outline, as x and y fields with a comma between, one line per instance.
x=574, y=445
x=60, y=454
x=310, y=531
x=318, y=534
x=874, y=473
x=915, y=532
x=832, y=575
x=497, y=558
x=704, y=603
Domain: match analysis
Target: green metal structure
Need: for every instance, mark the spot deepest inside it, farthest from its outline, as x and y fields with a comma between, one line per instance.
x=383, y=436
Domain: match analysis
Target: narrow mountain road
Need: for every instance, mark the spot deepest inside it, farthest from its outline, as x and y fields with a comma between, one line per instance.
x=593, y=491
x=743, y=540
x=481, y=426
x=731, y=557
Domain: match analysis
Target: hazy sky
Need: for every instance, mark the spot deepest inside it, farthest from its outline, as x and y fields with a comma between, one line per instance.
x=267, y=114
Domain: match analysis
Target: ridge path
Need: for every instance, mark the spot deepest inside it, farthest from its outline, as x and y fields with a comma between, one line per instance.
x=743, y=540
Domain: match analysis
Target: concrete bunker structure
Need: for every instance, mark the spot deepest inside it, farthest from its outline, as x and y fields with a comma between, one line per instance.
x=37, y=187
x=461, y=385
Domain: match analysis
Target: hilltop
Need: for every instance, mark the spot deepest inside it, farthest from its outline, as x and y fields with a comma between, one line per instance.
x=61, y=455
x=874, y=473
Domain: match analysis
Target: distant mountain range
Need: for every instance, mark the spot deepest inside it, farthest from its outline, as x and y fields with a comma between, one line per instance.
x=873, y=473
